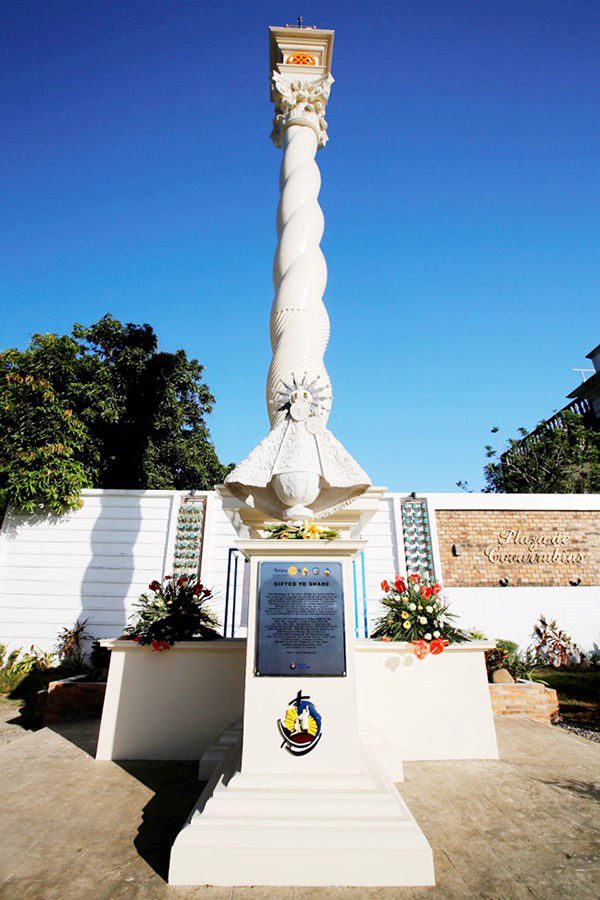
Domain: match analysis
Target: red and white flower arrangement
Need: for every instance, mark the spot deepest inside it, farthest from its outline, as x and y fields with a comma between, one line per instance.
x=416, y=611
x=175, y=610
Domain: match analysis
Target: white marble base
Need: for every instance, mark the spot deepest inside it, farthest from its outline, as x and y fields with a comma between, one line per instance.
x=284, y=830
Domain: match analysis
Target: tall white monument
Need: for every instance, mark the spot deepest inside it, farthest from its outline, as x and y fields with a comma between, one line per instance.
x=300, y=470
x=302, y=794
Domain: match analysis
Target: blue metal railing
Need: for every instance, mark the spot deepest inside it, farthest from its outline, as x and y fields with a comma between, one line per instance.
x=358, y=625
x=231, y=591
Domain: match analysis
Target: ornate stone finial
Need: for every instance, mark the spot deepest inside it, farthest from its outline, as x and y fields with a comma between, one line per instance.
x=300, y=79
x=300, y=103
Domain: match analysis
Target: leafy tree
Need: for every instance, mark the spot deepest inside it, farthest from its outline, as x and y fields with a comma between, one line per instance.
x=137, y=415
x=39, y=438
x=563, y=459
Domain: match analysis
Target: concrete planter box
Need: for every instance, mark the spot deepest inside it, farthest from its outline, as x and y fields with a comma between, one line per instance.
x=171, y=704
x=433, y=708
x=175, y=704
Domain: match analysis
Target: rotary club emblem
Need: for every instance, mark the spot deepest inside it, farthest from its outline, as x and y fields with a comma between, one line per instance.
x=300, y=727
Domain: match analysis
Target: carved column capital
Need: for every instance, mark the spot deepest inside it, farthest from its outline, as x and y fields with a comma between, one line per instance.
x=300, y=103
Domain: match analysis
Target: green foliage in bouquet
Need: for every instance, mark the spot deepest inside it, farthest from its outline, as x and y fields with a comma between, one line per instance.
x=416, y=611
x=176, y=610
x=305, y=531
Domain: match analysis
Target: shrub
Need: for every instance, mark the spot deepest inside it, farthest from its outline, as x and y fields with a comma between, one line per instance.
x=507, y=656
x=21, y=665
x=70, y=646
x=552, y=646
x=175, y=611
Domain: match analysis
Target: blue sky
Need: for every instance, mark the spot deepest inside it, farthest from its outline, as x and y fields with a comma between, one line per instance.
x=461, y=189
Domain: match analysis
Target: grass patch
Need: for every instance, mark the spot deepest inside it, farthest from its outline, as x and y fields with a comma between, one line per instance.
x=578, y=694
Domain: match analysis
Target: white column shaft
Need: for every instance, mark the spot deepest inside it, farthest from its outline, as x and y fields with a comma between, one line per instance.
x=299, y=320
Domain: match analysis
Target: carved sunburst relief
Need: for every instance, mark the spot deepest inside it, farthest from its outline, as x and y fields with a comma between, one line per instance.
x=303, y=400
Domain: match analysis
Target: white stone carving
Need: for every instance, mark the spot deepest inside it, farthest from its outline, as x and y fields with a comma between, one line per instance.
x=301, y=103
x=299, y=470
x=294, y=474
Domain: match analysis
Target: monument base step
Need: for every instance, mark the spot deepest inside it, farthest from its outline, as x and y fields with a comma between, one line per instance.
x=347, y=830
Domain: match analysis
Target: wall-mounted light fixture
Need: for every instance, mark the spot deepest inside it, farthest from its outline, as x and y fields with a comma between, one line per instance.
x=575, y=582
x=455, y=549
x=504, y=582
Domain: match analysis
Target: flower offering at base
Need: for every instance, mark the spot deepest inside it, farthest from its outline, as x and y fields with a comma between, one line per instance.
x=416, y=611
x=176, y=610
x=301, y=531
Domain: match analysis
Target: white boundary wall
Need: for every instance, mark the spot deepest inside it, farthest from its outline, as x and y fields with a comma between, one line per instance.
x=95, y=562
x=92, y=564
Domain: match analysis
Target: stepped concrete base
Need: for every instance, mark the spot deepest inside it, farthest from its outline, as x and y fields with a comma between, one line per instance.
x=280, y=830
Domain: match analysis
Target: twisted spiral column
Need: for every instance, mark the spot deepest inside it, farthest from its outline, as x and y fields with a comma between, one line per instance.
x=299, y=320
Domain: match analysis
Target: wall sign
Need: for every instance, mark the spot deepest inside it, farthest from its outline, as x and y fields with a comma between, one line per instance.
x=519, y=547
x=516, y=546
x=300, y=628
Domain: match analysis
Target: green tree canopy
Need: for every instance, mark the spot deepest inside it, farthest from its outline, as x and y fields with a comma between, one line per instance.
x=118, y=412
x=561, y=459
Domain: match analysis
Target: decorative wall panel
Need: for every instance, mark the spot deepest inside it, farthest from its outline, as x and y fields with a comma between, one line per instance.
x=417, y=538
x=189, y=536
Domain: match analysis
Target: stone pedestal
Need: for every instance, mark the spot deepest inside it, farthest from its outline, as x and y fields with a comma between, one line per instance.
x=330, y=817
x=266, y=698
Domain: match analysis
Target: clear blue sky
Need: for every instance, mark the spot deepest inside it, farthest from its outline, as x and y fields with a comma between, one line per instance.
x=461, y=189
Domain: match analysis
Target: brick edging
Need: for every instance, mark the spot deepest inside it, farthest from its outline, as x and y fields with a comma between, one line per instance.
x=525, y=699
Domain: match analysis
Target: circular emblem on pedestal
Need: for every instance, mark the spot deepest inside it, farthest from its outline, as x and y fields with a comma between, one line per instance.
x=300, y=727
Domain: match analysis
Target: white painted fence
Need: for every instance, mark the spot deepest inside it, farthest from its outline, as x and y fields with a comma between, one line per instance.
x=95, y=562
x=92, y=564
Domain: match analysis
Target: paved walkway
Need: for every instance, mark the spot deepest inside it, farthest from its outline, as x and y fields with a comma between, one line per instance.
x=526, y=826
x=9, y=717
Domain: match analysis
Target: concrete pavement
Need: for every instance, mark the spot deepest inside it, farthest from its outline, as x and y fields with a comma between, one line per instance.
x=524, y=826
